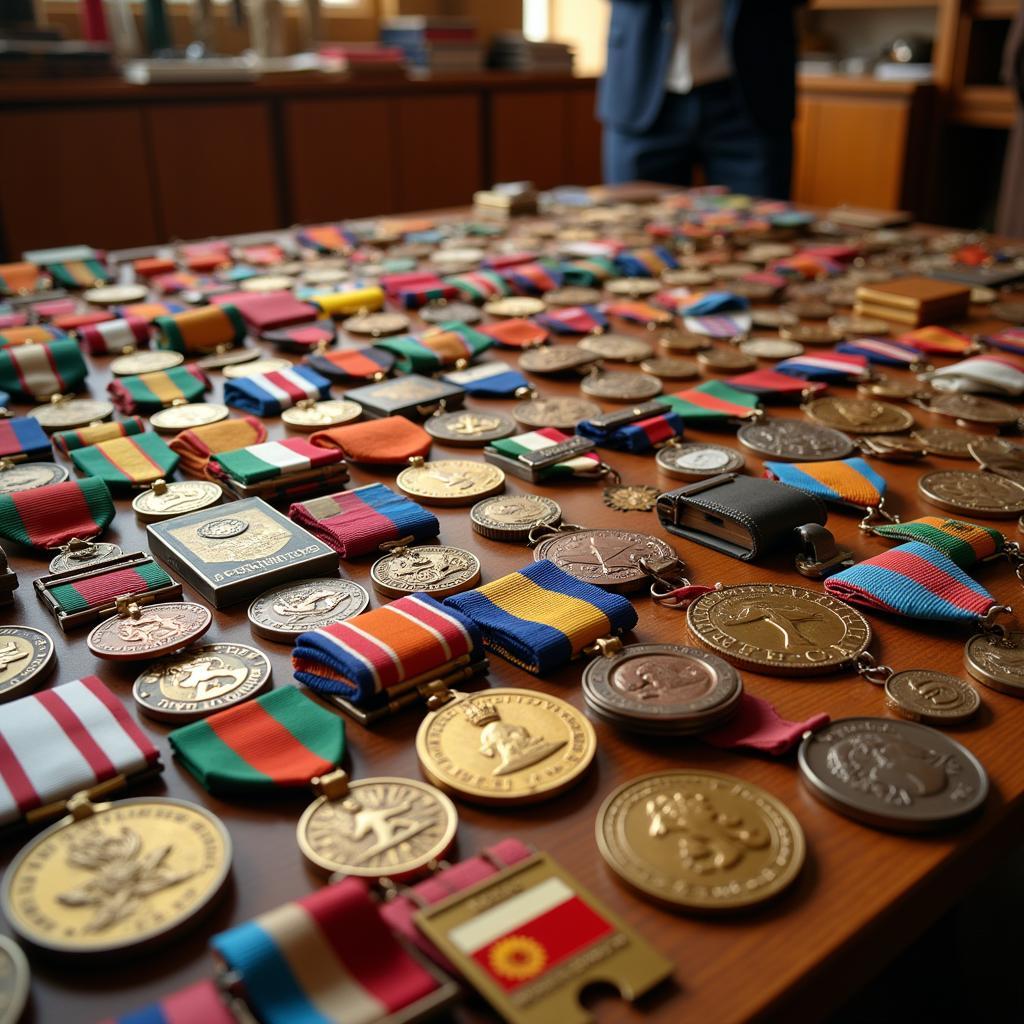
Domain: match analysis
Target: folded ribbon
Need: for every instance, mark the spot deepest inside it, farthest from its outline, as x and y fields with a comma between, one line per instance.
x=197, y=445
x=127, y=462
x=47, y=517
x=391, y=440
x=267, y=394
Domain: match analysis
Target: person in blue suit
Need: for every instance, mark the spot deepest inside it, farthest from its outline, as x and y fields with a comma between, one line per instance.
x=709, y=82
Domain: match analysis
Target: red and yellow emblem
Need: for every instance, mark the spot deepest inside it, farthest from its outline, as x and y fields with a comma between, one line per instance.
x=517, y=958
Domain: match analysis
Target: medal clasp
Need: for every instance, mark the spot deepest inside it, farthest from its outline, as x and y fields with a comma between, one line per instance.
x=819, y=555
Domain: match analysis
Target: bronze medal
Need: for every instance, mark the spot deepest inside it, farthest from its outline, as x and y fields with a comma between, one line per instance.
x=670, y=367
x=794, y=441
x=294, y=608
x=556, y=359
x=311, y=415
x=512, y=517
x=376, y=325
x=616, y=348
x=183, y=417
x=933, y=698
x=251, y=367
x=71, y=413
x=80, y=554
x=973, y=493
x=515, y=307
x=560, y=413
x=168, y=500
x=973, y=408
x=141, y=632
x=810, y=334
x=997, y=661
x=27, y=476
x=725, y=360
x=606, y=558
x=696, y=461
x=469, y=428
x=450, y=481
x=436, y=569
x=859, y=415
x=682, y=341
x=620, y=386
x=145, y=362
x=947, y=441
x=26, y=659
x=770, y=348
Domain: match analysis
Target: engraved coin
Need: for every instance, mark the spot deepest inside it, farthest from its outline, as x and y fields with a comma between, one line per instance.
x=512, y=516
x=983, y=494
x=26, y=658
x=891, y=774
x=307, y=417
x=560, y=413
x=770, y=348
x=619, y=348
x=700, y=840
x=515, y=306
x=450, y=312
x=253, y=366
x=184, y=417
x=14, y=981
x=145, y=362
x=725, y=360
x=794, y=440
x=79, y=554
x=947, y=441
x=377, y=325
x=779, y=629
x=26, y=476
x=632, y=287
x=670, y=367
x=555, y=359
x=859, y=415
x=469, y=428
x=682, y=341
x=606, y=558
x=232, y=357
x=505, y=746
x=435, y=569
x=973, y=408
x=620, y=386
x=156, y=630
x=996, y=661
x=293, y=608
x=200, y=681
x=451, y=481
x=71, y=413
x=175, y=499
x=695, y=461
x=129, y=874
x=573, y=295
x=115, y=294
x=382, y=827
x=934, y=698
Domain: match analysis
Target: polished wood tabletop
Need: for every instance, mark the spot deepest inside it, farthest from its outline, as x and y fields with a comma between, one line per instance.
x=862, y=895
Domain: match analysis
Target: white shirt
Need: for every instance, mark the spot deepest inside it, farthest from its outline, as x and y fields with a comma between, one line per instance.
x=700, y=55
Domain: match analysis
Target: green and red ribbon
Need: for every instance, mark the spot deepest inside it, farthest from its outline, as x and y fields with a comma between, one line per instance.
x=47, y=517
x=711, y=402
x=127, y=462
x=101, y=588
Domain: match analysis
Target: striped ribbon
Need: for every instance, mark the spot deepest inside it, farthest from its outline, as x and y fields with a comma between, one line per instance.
x=41, y=371
x=280, y=739
x=197, y=1003
x=721, y=326
x=9, y=318
x=1011, y=339
x=357, y=522
x=47, y=517
x=433, y=350
x=31, y=334
x=881, y=351
x=21, y=278
x=202, y=330
x=369, y=363
x=538, y=440
x=684, y=302
x=79, y=273
x=965, y=543
x=102, y=587
x=489, y=380
x=176, y=282
x=936, y=339
x=589, y=272
x=66, y=739
x=68, y=440
x=149, y=311
x=849, y=482
x=113, y=337
x=387, y=441
x=267, y=394
x=148, y=392
x=638, y=312
x=534, y=278
x=197, y=445
x=712, y=401
x=479, y=285
x=326, y=958
x=416, y=296
x=915, y=580
x=831, y=367
x=574, y=320
x=767, y=384
x=272, y=459
x=123, y=463
x=515, y=333
x=325, y=238
x=47, y=309
x=541, y=617
x=639, y=438
x=339, y=304
x=501, y=261
x=363, y=657
x=23, y=435
x=646, y=262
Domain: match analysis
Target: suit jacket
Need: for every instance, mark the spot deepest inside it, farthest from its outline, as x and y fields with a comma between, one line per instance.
x=760, y=38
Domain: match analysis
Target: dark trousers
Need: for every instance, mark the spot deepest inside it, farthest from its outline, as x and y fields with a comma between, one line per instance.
x=707, y=126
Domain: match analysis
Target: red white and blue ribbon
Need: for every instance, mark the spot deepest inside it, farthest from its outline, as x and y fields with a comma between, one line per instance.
x=266, y=394
x=881, y=351
x=640, y=437
x=200, y=1003
x=832, y=367
x=574, y=320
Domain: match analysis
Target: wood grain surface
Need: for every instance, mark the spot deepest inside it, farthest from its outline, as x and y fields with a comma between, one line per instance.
x=863, y=894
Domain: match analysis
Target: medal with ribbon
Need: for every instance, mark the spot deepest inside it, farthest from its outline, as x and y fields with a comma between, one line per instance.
x=326, y=239
x=649, y=262
x=546, y=454
x=962, y=542
x=313, y=336
x=534, y=278
x=127, y=463
x=355, y=364
x=770, y=384
x=884, y=352
x=267, y=394
x=490, y=380
x=479, y=285
x=712, y=402
x=197, y=445
x=23, y=438
x=938, y=340
x=47, y=517
x=87, y=273
x=274, y=470
x=66, y=441
x=1011, y=339
x=640, y=429
x=390, y=440
x=42, y=371
x=637, y=312
x=115, y=337
x=831, y=367
x=149, y=392
x=991, y=373
x=722, y=326
x=350, y=302
x=848, y=483
x=574, y=320
x=450, y=344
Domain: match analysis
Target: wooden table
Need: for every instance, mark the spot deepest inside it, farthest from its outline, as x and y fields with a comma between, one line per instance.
x=862, y=896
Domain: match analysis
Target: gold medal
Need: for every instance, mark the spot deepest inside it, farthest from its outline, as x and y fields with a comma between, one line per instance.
x=71, y=413
x=115, y=876
x=934, y=698
x=253, y=366
x=184, y=417
x=311, y=415
x=505, y=746
x=700, y=840
x=26, y=658
x=859, y=415
x=436, y=569
x=450, y=481
x=632, y=287
x=377, y=325
x=167, y=500
x=515, y=306
x=145, y=362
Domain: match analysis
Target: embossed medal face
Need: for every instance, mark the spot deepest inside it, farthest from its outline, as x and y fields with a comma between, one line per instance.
x=505, y=746
x=973, y=408
x=725, y=360
x=555, y=359
x=201, y=681
x=382, y=828
x=891, y=774
x=451, y=481
x=253, y=366
x=515, y=306
x=435, y=569
x=794, y=440
x=670, y=367
x=470, y=428
x=26, y=476
x=176, y=499
x=860, y=415
x=451, y=312
x=132, y=873
x=145, y=362
x=947, y=441
x=14, y=981
x=560, y=413
x=779, y=629
x=321, y=415
x=619, y=348
x=156, y=630
x=512, y=517
x=934, y=698
x=770, y=348
x=293, y=608
x=694, y=461
x=980, y=493
x=606, y=558
x=377, y=325
x=71, y=413
x=184, y=417
x=998, y=662
x=79, y=554
x=700, y=840
x=26, y=657
x=621, y=386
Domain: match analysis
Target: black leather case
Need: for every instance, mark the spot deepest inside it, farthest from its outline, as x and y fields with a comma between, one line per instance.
x=764, y=510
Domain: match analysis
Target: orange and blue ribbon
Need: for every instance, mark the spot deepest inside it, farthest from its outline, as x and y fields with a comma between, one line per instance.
x=849, y=482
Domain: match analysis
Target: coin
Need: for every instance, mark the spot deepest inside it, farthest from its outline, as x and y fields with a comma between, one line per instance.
x=450, y=312
x=555, y=359
x=891, y=774
x=71, y=413
x=156, y=630
x=167, y=500
x=898, y=389
x=436, y=569
x=700, y=840
x=469, y=428
x=511, y=517
x=809, y=334
x=307, y=417
x=515, y=306
x=122, y=875
x=267, y=283
x=934, y=698
x=200, y=681
x=619, y=348
x=325, y=275
x=26, y=476
x=695, y=461
x=1000, y=457
x=810, y=309
x=293, y=608
x=573, y=295
x=973, y=408
x=997, y=661
x=670, y=367
x=773, y=317
x=620, y=386
x=253, y=366
x=770, y=348
x=26, y=657
x=232, y=357
x=632, y=287
x=560, y=413
x=954, y=444
x=725, y=360
x=376, y=324
x=794, y=440
x=184, y=417
x=145, y=362
x=450, y=481
x=682, y=341
x=115, y=294
x=779, y=629
x=505, y=746
x=78, y=554
x=607, y=558
x=859, y=415
x=14, y=981
x=982, y=494
x=382, y=827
